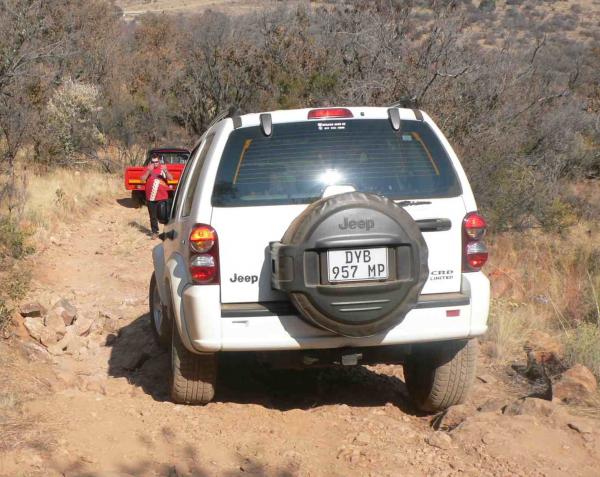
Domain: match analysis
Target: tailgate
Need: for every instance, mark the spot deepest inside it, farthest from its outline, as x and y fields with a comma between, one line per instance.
x=132, y=178
x=133, y=174
x=245, y=234
x=444, y=246
x=176, y=170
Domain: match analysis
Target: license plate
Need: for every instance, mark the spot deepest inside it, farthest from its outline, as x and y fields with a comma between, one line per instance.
x=357, y=264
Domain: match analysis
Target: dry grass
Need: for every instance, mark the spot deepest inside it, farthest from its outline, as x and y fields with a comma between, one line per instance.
x=63, y=194
x=18, y=379
x=46, y=203
x=548, y=282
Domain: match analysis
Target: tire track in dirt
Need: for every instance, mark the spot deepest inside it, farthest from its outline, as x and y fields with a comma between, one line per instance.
x=106, y=411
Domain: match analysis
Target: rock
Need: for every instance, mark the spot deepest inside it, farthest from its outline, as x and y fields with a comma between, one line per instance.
x=55, y=322
x=493, y=405
x=66, y=310
x=439, y=439
x=452, y=417
x=32, y=309
x=530, y=407
x=576, y=385
x=36, y=329
x=48, y=337
x=97, y=327
x=83, y=325
x=544, y=348
x=487, y=379
x=109, y=315
x=132, y=301
x=581, y=426
x=34, y=326
x=111, y=325
x=35, y=351
x=362, y=439
x=63, y=345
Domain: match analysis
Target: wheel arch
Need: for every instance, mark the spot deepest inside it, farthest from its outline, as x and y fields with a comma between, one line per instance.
x=158, y=260
x=175, y=282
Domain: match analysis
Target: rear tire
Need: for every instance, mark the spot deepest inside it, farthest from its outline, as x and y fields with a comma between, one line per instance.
x=440, y=375
x=193, y=375
x=138, y=198
x=162, y=325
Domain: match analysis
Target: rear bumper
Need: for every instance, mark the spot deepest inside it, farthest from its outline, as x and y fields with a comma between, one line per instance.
x=212, y=328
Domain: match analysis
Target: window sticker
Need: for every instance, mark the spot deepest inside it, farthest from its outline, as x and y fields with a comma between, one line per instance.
x=332, y=126
x=407, y=137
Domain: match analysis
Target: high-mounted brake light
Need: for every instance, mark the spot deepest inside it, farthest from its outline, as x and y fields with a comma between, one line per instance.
x=204, y=255
x=329, y=113
x=475, y=253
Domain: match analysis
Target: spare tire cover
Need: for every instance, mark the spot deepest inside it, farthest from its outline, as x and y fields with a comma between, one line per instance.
x=353, y=220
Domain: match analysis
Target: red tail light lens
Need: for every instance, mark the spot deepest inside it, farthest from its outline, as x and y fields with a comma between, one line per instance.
x=330, y=113
x=475, y=226
x=475, y=253
x=204, y=255
x=203, y=268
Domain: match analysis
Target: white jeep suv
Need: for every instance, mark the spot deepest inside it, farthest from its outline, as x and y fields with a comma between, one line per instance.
x=320, y=237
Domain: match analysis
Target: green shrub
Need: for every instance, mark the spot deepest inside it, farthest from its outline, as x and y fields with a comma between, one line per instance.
x=13, y=240
x=14, y=275
x=583, y=346
x=5, y=313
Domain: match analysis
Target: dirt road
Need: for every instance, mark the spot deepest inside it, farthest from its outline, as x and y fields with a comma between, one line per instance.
x=102, y=409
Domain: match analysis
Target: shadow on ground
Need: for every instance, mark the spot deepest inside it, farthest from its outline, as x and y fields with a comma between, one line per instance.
x=140, y=228
x=244, y=466
x=242, y=379
x=129, y=203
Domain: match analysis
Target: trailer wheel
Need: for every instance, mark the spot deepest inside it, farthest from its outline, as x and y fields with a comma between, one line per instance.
x=138, y=198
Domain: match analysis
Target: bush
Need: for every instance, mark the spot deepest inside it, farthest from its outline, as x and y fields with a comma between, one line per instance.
x=14, y=276
x=71, y=130
x=521, y=112
x=13, y=240
x=5, y=314
x=583, y=346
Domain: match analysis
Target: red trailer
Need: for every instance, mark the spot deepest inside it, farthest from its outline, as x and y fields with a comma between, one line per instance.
x=174, y=158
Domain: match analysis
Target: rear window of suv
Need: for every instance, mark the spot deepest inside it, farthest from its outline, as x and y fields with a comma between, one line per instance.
x=299, y=160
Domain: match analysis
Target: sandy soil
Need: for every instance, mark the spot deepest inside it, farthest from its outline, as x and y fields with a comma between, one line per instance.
x=103, y=410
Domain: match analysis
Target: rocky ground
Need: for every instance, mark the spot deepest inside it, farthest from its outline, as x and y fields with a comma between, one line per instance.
x=83, y=392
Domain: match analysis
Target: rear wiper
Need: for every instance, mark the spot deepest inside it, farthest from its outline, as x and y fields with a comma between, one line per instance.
x=404, y=203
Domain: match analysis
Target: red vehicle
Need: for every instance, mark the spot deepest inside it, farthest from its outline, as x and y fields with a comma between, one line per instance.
x=175, y=159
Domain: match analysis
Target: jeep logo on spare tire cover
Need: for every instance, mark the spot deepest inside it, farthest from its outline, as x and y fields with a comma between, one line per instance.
x=352, y=263
x=367, y=224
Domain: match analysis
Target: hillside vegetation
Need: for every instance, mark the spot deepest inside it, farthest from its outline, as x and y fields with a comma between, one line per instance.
x=515, y=85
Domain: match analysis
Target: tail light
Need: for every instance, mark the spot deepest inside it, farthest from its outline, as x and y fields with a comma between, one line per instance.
x=475, y=253
x=329, y=113
x=204, y=255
